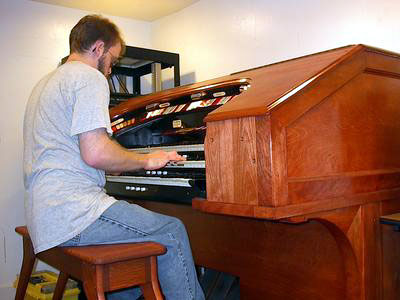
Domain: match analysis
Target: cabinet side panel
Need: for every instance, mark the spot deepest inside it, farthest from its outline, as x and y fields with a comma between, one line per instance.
x=245, y=161
x=264, y=157
x=348, y=143
x=218, y=148
x=238, y=161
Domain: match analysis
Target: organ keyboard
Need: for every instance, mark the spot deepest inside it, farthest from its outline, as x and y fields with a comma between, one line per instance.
x=177, y=182
x=171, y=124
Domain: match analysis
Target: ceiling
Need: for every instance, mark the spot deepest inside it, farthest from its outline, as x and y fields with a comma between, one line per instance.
x=145, y=10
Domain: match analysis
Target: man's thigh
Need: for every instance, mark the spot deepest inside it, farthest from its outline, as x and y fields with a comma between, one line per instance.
x=125, y=222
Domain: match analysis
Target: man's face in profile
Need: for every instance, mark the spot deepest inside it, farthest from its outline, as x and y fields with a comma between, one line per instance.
x=108, y=59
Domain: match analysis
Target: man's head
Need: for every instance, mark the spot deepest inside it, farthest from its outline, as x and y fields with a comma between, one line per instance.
x=98, y=38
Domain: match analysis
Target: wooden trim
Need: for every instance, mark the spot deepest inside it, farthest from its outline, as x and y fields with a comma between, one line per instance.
x=294, y=210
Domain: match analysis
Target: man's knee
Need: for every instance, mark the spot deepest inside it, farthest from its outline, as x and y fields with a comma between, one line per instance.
x=177, y=226
x=177, y=222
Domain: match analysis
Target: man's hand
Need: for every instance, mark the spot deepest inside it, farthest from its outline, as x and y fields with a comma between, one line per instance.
x=100, y=152
x=158, y=159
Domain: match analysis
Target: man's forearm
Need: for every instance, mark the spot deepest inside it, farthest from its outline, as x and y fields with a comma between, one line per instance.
x=100, y=152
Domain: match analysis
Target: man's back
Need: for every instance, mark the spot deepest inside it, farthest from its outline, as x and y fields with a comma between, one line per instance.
x=65, y=194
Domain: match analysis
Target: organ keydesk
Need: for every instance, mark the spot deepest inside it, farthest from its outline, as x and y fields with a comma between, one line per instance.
x=299, y=168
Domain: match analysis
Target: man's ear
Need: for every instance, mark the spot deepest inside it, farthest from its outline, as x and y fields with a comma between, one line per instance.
x=97, y=49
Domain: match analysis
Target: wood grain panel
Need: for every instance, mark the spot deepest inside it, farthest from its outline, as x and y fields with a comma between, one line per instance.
x=122, y=274
x=312, y=189
x=383, y=62
x=372, y=252
x=355, y=131
x=273, y=260
x=219, y=161
x=302, y=209
x=245, y=162
x=264, y=160
x=345, y=225
x=294, y=210
x=271, y=82
x=231, y=156
x=293, y=109
x=278, y=163
x=319, y=89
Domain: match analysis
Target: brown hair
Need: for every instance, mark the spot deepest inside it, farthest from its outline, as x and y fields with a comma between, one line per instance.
x=90, y=29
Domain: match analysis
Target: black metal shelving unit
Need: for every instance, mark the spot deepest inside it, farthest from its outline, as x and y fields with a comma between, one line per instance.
x=135, y=63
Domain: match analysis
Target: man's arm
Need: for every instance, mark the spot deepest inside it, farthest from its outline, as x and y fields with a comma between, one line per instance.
x=100, y=152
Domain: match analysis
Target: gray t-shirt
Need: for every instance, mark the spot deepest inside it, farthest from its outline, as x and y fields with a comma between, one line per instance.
x=64, y=194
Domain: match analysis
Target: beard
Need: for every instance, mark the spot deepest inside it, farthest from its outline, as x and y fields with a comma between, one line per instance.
x=101, y=65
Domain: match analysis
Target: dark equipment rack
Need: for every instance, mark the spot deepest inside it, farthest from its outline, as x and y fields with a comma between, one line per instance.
x=135, y=63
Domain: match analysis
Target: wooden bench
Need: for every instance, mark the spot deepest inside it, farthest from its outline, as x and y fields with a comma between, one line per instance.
x=101, y=268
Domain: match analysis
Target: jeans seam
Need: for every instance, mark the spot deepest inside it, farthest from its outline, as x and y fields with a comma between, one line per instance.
x=122, y=225
x=180, y=255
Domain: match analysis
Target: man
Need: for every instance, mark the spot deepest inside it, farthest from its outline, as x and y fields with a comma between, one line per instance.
x=67, y=150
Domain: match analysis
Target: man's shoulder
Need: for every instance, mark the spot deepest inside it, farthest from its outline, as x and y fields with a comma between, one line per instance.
x=78, y=71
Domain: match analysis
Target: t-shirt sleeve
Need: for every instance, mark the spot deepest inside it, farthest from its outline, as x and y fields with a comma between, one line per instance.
x=90, y=109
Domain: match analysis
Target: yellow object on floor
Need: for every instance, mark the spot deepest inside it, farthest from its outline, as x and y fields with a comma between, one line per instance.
x=42, y=284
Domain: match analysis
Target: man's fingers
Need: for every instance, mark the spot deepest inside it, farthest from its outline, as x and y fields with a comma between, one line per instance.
x=159, y=159
x=173, y=155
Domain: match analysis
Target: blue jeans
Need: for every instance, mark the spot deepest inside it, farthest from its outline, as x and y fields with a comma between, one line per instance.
x=124, y=223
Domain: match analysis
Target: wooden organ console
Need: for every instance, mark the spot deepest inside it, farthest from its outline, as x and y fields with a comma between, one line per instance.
x=299, y=168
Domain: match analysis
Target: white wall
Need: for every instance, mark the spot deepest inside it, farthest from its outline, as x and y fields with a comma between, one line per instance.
x=34, y=37
x=218, y=37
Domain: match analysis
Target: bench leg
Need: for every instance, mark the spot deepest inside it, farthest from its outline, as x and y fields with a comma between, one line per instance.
x=93, y=282
x=60, y=286
x=26, y=269
x=151, y=289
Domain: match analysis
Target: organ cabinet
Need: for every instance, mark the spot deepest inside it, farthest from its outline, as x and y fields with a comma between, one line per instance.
x=299, y=165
